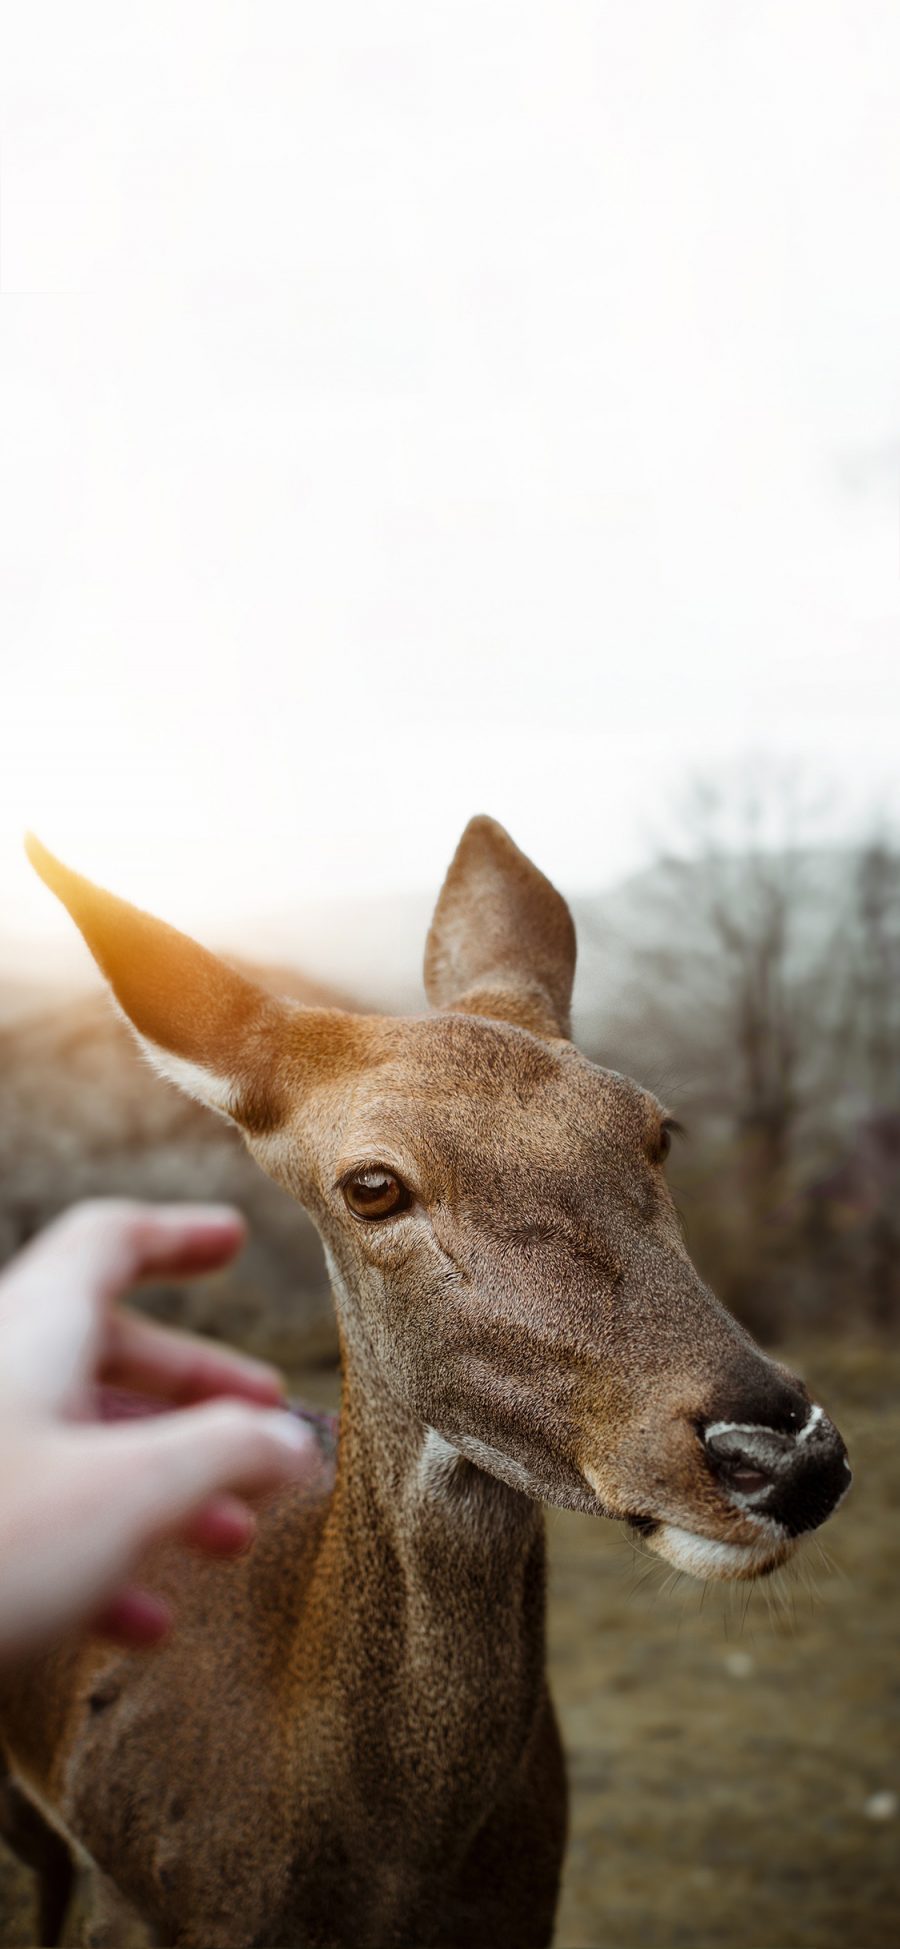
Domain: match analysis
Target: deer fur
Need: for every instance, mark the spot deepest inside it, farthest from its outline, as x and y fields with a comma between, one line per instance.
x=348, y=1739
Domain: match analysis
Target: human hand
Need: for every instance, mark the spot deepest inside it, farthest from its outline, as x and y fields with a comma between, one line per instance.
x=81, y=1501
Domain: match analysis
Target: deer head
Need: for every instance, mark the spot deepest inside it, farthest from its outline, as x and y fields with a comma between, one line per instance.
x=505, y=1251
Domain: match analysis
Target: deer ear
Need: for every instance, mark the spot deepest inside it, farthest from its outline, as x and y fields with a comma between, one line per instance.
x=502, y=941
x=200, y=1022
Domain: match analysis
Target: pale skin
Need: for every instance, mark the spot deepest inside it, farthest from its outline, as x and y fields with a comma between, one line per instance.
x=82, y=1500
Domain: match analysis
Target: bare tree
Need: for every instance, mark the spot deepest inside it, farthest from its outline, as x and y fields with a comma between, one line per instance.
x=760, y=988
x=741, y=958
x=875, y=998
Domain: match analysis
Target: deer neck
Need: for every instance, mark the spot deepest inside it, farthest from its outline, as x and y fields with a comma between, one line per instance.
x=433, y=1574
x=422, y=1503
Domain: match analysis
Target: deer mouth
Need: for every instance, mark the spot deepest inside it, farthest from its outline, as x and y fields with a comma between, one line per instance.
x=771, y=1485
x=712, y=1560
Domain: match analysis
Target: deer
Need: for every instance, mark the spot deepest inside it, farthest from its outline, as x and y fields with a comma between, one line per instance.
x=348, y=1738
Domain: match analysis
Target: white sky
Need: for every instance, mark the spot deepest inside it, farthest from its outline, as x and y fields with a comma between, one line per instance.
x=410, y=410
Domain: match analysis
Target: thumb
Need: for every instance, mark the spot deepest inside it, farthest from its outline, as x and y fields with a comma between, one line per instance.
x=80, y=1505
x=165, y=1467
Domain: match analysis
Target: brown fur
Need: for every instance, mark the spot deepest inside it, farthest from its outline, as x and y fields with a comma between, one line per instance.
x=349, y=1738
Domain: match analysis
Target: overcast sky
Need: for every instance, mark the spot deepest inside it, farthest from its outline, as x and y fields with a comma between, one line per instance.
x=414, y=410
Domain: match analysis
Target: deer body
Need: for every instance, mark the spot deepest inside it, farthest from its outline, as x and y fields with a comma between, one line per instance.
x=349, y=1738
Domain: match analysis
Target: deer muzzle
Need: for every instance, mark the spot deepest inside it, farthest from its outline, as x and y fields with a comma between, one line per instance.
x=794, y=1480
x=772, y=1483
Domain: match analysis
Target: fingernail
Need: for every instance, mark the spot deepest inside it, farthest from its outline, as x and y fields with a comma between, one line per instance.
x=210, y=1214
x=214, y=1217
x=264, y=1371
x=291, y=1432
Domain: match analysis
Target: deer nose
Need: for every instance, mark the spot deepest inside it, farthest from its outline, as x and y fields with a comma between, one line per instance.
x=793, y=1477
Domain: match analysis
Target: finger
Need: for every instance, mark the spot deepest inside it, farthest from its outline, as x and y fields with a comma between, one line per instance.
x=181, y=1367
x=90, y=1499
x=224, y=1527
x=166, y=1467
x=133, y=1617
x=111, y=1244
x=56, y=1294
x=82, y=1504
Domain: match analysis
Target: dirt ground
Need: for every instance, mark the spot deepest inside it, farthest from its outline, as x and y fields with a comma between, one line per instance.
x=734, y=1765
x=735, y=1773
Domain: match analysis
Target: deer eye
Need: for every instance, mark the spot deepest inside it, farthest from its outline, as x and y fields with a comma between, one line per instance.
x=667, y=1129
x=375, y=1192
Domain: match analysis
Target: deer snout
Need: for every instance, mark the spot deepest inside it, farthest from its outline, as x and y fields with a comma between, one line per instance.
x=793, y=1476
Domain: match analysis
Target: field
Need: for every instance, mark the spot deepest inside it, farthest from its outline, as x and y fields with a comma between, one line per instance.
x=734, y=1766
x=736, y=1777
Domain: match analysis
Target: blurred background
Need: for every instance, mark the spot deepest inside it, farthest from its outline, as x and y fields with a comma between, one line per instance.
x=409, y=412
